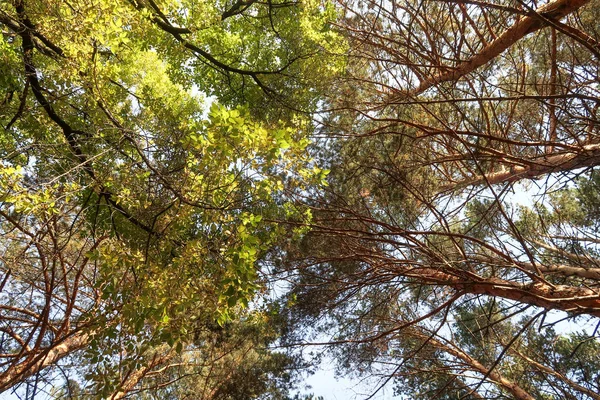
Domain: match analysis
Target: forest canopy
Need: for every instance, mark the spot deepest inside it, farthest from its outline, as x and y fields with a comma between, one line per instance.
x=195, y=194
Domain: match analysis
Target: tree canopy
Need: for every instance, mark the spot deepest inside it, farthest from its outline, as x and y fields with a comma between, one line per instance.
x=141, y=179
x=458, y=226
x=190, y=191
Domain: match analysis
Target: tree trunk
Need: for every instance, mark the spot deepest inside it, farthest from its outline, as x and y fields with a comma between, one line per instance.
x=587, y=156
x=529, y=24
x=35, y=363
x=475, y=365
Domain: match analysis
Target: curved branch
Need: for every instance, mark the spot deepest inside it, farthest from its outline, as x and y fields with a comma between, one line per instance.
x=48, y=357
x=587, y=156
x=552, y=11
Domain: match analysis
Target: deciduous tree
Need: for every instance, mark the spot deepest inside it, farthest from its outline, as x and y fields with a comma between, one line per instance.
x=131, y=209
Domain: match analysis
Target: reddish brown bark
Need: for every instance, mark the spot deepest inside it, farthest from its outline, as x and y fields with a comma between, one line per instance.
x=540, y=294
x=134, y=377
x=37, y=362
x=587, y=156
x=474, y=364
x=553, y=11
x=557, y=375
